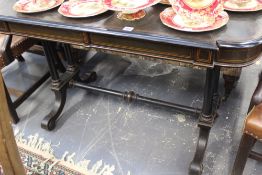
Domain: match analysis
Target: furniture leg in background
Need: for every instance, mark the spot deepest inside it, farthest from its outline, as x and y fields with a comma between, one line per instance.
x=231, y=76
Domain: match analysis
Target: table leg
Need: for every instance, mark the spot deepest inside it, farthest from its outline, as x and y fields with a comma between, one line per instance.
x=59, y=83
x=70, y=60
x=206, y=119
x=84, y=77
x=49, y=122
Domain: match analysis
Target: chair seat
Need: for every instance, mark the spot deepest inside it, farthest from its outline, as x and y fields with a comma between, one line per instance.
x=17, y=47
x=253, y=124
x=15, y=40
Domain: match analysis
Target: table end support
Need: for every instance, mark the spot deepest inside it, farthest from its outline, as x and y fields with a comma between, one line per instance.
x=206, y=119
x=60, y=82
x=196, y=166
x=59, y=86
x=49, y=122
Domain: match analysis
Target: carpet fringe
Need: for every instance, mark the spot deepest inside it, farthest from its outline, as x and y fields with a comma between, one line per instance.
x=38, y=145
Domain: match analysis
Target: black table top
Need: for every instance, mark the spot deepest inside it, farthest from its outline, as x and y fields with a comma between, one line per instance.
x=243, y=28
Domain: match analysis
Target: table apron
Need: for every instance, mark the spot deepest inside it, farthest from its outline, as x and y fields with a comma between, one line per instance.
x=3, y=27
x=238, y=57
x=224, y=57
x=47, y=33
x=156, y=50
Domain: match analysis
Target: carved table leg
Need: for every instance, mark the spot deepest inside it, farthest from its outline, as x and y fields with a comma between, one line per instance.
x=85, y=77
x=58, y=59
x=59, y=83
x=49, y=121
x=231, y=76
x=206, y=119
x=70, y=60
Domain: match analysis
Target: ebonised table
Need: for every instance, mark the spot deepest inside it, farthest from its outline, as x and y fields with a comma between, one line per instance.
x=238, y=44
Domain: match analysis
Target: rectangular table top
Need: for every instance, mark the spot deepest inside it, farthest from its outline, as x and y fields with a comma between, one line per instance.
x=242, y=27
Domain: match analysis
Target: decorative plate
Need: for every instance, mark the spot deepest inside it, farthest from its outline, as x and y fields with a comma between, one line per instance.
x=172, y=20
x=82, y=8
x=34, y=6
x=198, y=11
x=253, y=5
x=129, y=5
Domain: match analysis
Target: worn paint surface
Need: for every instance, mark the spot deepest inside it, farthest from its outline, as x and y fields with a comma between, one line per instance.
x=140, y=138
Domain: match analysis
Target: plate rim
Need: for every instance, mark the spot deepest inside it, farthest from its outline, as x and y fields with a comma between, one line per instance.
x=37, y=11
x=257, y=8
x=86, y=16
x=130, y=9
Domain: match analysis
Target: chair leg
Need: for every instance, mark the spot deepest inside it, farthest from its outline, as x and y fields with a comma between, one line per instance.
x=12, y=109
x=255, y=155
x=246, y=144
x=20, y=58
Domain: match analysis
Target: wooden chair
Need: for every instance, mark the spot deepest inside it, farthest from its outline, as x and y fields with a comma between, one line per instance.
x=10, y=160
x=252, y=132
x=11, y=48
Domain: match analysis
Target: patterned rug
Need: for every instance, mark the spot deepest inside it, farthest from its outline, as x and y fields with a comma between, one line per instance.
x=38, y=158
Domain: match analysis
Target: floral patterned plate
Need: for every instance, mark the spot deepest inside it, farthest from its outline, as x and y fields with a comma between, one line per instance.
x=253, y=5
x=165, y=2
x=34, y=6
x=172, y=20
x=130, y=9
x=129, y=5
x=82, y=8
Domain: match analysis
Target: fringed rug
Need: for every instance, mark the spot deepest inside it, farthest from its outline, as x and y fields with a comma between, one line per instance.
x=38, y=158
